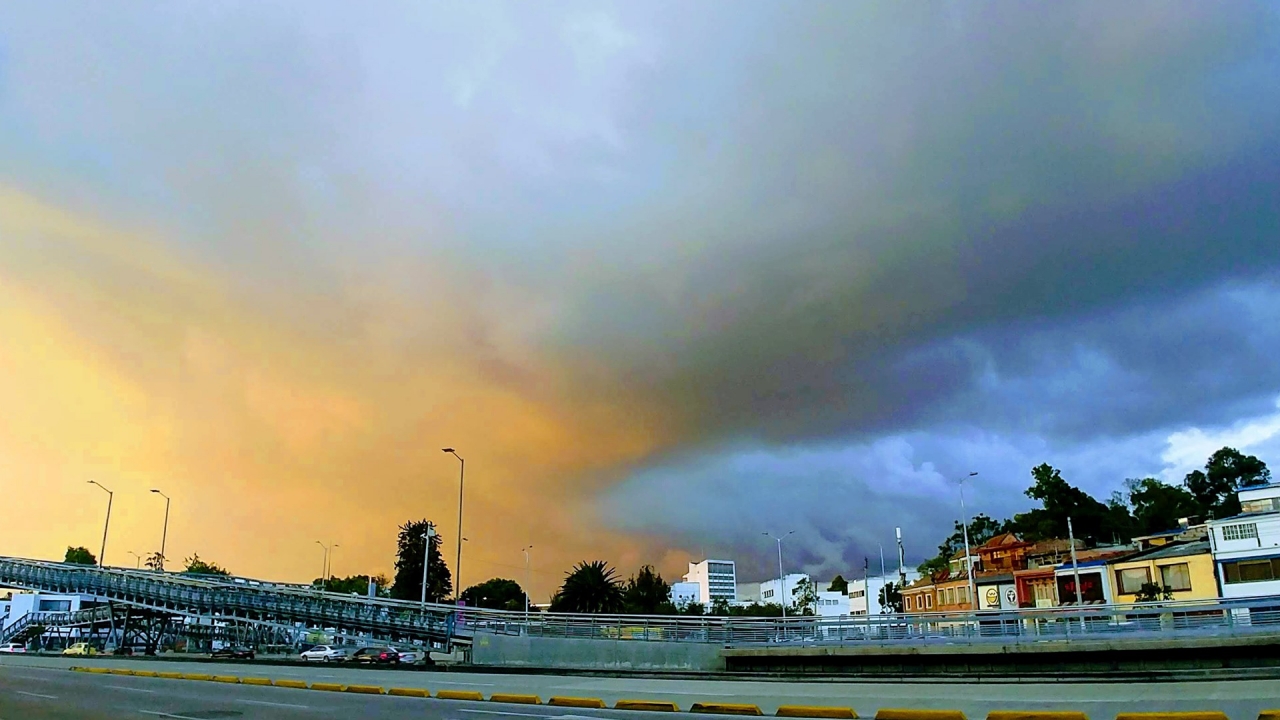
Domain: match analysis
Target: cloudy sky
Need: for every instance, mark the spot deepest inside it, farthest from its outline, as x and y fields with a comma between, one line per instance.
x=667, y=274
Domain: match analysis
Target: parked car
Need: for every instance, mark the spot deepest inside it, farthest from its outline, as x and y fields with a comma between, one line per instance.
x=233, y=652
x=324, y=653
x=375, y=656
x=13, y=648
x=81, y=649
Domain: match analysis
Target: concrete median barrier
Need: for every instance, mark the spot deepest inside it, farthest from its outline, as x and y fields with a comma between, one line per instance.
x=409, y=692
x=195, y=676
x=255, y=681
x=120, y=671
x=725, y=709
x=1036, y=715
x=459, y=695
x=228, y=679
x=295, y=684
x=913, y=714
x=647, y=705
x=99, y=670
x=1269, y=715
x=169, y=675
x=819, y=711
x=1193, y=715
x=515, y=699
x=328, y=687
x=592, y=703
x=365, y=689
x=145, y=673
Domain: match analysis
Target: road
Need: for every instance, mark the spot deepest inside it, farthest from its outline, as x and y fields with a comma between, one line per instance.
x=41, y=687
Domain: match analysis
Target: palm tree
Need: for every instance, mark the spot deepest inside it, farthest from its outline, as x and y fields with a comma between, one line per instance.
x=591, y=587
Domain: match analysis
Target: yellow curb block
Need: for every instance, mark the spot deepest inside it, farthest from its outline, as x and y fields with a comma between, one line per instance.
x=255, y=681
x=595, y=703
x=99, y=670
x=817, y=711
x=1195, y=715
x=1036, y=715
x=459, y=695
x=120, y=671
x=911, y=714
x=295, y=684
x=516, y=699
x=144, y=673
x=409, y=692
x=328, y=687
x=170, y=675
x=229, y=679
x=364, y=689
x=195, y=676
x=726, y=709
x=647, y=705
x=1269, y=715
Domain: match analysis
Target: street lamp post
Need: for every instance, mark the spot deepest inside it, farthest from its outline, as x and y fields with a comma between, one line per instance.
x=324, y=567
x=137, y=566
x=427, y=538
x=528, y=578
x=968, y=556
x=782, y=578
x=328, y=575
x=164, y=536
x=106, y=525
x=457, y=565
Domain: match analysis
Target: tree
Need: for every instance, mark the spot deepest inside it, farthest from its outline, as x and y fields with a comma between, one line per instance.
x=495, y=594
x=839, y=584
x=410, y=549
x=891, y=597
x=353, y=585
x=1227, y=471
x=154, y=561
x=196, y=566
x=646, y=593
x=591, y=587
x=755, y=609
x=694, y=608
x=79, y=556
x=1157, y=506
x=1094, y=522
x=806, y=598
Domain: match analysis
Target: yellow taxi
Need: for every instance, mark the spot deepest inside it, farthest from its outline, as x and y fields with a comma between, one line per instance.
x=81, y=649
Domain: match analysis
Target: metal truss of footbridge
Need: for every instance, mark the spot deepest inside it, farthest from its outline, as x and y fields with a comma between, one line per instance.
x=208, y=599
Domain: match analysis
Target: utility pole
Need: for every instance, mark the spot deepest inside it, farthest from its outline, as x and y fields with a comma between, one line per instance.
x=427, y=538
x=902, y=561
x=102, y=554
x=782, y=578
x=528, y=579
x=1075, y=567
x=324, y=566
x=968, y=555
x=164, y=536
x=882, y=574
x=457, y=566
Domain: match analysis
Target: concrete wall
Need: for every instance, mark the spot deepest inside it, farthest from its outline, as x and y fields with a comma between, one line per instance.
x=584, y=654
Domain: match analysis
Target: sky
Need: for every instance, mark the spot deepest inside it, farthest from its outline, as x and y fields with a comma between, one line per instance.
x=668, y=275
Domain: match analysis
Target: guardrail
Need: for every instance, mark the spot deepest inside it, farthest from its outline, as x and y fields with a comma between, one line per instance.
x=207, y=597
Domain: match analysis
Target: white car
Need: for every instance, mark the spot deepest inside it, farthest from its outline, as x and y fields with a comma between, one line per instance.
x=410, y=657
x=324, y=653
x=13, y=648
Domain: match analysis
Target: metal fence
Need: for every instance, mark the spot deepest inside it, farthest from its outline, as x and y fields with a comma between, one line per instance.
x=205, y=597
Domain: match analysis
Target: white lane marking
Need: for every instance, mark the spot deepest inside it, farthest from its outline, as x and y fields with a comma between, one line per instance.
x=167, y=715
x=450, y=682
x=128, y=689
x=33, y=677
x=29, y=694
x=274, y=704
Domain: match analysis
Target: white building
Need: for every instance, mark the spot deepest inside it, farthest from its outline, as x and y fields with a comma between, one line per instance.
x=864, y=600
x=23, y=604
x=1246, y=548
x=716, y=580
x=832, y=604
x=748, y=593
x=684, y=593
x=782, y=592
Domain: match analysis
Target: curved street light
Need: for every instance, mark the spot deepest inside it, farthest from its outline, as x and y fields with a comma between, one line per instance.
x=106, y=525
x=164, y=537
x=782, y=579
x=457, y=565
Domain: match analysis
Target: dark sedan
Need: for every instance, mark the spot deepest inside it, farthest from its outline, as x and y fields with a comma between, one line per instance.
x=375, y=656
x=232, y=652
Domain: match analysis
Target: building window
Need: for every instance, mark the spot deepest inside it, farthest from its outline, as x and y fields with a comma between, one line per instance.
x=54, y=606
x=1176, y=577
x=928, y=602
x=1130, y=581
x=1243, y=531
x=1257, y=506
x=1251, y=571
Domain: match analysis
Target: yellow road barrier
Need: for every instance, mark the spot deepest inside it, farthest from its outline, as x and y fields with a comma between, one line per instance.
x=99, y=670
x=120, y=671
x=912, y=714
x=1269, y=715
x=328, y=687
x=647, y=705
x=255, y=681
x=818, y=711
x=228, y=679
x=1194, y=715
x=459, y=695
x=409, y=692
x=144, y=673
x=364, y=689
x=170, y=675
x=195, y=676
x=726, y=709
x=517, y=699
x=295, y=684
x=595, y=703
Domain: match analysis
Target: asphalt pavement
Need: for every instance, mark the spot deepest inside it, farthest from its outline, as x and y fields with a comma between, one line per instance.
x=41, y=687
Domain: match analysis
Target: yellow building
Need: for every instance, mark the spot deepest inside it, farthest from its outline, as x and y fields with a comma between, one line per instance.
x=1184, y=569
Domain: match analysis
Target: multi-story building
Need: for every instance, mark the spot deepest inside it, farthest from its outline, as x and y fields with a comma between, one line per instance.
x=920, y=596
x=685, y=593
x=1036, y=584
x=717, y=580
x=864, y=594
x=784, y=591
x=1184, y=569
x=1246, y=548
